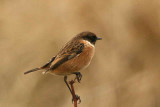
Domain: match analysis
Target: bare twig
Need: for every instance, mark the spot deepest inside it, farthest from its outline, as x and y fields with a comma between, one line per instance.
x=75, y=97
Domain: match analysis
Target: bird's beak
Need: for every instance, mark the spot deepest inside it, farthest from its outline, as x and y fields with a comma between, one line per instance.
x=99, y=38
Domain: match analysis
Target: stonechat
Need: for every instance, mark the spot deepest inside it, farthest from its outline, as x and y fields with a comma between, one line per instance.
x=73, y=57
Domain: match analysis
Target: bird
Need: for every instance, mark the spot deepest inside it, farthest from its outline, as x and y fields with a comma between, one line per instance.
x=73, y=57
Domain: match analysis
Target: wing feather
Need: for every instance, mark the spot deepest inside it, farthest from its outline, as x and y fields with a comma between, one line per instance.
x=64, y=57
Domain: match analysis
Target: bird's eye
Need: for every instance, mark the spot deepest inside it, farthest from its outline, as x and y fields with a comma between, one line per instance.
x=93, y=37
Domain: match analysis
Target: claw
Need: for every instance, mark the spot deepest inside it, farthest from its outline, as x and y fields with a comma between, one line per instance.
x=76, y=98
x=78, y=76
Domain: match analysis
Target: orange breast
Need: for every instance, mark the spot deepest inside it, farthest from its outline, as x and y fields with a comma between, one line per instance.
x=77, y=63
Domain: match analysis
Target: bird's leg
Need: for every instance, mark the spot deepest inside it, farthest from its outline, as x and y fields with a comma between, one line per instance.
x=65, y=80
x=78, y=76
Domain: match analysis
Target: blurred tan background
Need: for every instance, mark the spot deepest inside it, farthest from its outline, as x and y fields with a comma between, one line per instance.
x=125, y=71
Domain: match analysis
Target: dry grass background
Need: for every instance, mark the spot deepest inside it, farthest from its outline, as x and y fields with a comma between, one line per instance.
x=125, y=71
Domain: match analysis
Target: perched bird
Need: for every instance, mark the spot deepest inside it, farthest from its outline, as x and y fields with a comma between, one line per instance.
x=73, y=57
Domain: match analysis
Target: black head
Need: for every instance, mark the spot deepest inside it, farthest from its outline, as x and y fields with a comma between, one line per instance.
x=89, y=36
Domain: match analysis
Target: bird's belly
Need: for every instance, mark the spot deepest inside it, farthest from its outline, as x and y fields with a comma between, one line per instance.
x=76, y=64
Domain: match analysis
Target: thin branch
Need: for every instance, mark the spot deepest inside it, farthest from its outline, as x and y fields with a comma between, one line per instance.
x=75, y=97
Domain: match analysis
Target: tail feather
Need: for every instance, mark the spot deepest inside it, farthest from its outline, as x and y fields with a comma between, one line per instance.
x=46, y=66
x=36, y=69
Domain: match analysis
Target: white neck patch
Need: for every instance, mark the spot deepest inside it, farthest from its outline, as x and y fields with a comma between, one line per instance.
x=88, y=43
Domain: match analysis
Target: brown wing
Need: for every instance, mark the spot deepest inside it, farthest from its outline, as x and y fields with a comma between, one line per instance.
x=47, y=65
x=67, y=55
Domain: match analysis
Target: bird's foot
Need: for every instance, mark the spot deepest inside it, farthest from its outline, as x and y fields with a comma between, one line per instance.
x=76, y=98
x=78, y=76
